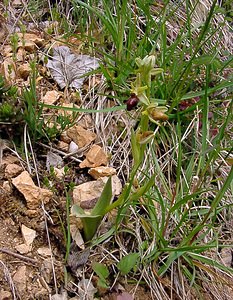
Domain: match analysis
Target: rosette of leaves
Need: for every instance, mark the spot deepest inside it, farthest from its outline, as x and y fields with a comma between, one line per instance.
x=10, y=106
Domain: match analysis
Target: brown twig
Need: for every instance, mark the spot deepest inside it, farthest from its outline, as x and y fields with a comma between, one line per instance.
x=19, y=256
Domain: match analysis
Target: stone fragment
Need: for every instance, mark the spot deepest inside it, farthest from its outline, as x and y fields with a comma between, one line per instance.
x=51, y=97
x=65, y=138
x=63, y=146
x=29, y=46
x=28, y=234
x=67, y=112
x=7, y=187
x=62, y=296
x=10, y=159
x=44, y=251
x=86, y=121
x=87, y=194
x=76, y=236
x=5, y=295
x=101, y=172
x=95, y=157
x=20, y=279
x=31, y=37
x=116, y=184
x=73, y=147
x=12, y=170
x=23, y=248
x=24, y=71
x=32, y=193
x=81, y=136
x=59, y=173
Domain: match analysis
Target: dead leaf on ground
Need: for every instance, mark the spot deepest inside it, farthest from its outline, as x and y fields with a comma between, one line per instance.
x=86, y=290
x=51, y=97
x=3, y=28
x=62, y=296
x=9, y=70
x=68, y=69
x=24, y=71
x=53, y=160
x=76, y=236
x=77, y=257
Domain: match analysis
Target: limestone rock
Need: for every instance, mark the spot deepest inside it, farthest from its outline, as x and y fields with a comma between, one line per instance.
x=87, y=194
x=20, y=279
x=12, y=170
x=63, y=146
x=65, y=138
x=44, y=251
x=73, y=147
x=81, y=136
x=95, y=157
x=7, y=187
x=23, y=248
x=32, y=193
x=31, y=37
x=5, y=295
x=101, y=172
x=28, y=234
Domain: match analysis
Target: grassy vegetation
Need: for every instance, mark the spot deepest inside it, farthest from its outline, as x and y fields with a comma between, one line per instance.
x=175, y=210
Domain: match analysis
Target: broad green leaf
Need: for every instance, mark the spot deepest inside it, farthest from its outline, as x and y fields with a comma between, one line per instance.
x=126, y=264
x=77, y=211
x=104, y=199
x=100, y=269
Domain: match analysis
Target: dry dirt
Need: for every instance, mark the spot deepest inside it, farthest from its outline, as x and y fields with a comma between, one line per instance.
x=32, y=275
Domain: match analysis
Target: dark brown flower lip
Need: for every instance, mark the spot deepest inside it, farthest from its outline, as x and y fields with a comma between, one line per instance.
x=132, y=102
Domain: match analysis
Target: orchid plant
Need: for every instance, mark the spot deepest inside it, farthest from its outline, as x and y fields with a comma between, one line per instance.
x=151, y=111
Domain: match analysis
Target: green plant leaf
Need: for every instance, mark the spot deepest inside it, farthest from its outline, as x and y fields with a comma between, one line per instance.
x=92, y=221
x=135, y=148
x=100, y=269
x=126, y=264
x=104, y=199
